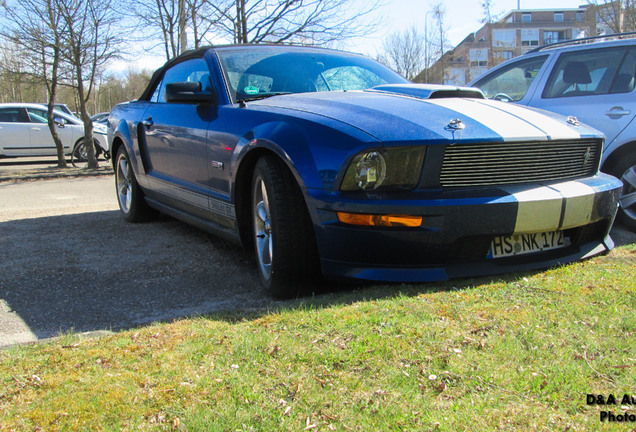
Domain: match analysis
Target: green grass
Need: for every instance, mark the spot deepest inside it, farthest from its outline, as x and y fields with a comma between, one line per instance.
x=518, y=353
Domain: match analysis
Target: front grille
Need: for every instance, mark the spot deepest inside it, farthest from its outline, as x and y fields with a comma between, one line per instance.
x=517, y=163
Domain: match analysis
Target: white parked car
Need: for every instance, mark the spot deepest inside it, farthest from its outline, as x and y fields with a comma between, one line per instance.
x=24, y=131
x=592, y=79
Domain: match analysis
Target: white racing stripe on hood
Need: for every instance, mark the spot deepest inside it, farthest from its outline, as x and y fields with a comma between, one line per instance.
x=512, y=122
x=556, y=129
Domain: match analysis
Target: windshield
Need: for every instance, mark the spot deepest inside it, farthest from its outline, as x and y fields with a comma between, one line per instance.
x=254, y=73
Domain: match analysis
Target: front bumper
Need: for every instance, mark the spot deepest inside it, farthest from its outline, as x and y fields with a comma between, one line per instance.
x=458, y=228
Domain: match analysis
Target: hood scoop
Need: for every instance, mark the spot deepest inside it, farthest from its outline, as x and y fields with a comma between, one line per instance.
x=429, y=91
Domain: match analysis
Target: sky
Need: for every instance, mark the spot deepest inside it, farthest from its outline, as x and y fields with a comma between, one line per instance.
x=462, y=16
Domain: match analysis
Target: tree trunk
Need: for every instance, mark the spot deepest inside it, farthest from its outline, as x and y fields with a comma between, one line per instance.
x=88, y=125
x=183, y=36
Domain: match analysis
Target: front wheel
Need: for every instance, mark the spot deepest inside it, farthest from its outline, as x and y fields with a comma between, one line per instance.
x=131, y=200
x=284, y=239
x=626, y=171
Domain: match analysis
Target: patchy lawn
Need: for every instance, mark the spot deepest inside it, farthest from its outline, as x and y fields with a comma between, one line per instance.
x=517, y=353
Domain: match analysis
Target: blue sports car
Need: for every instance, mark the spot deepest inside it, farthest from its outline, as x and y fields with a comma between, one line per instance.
x=327, y=163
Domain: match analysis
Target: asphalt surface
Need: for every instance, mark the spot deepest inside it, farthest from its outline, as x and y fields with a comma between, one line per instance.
x=68, y=262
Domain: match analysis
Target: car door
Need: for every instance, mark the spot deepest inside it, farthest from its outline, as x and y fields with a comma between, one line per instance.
x=175, y=136
x=595, y=85
x=42, y=143
x=15, y=136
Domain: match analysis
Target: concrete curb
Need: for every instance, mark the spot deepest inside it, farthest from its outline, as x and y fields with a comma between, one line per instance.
x=53, y=173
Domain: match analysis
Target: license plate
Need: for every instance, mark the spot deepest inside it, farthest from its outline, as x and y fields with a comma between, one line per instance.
x=521, y=244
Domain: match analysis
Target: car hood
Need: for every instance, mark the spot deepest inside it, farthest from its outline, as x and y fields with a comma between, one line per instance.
x=405, y=113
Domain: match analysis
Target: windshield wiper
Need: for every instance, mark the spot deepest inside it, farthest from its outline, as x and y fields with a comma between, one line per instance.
x=261, y=96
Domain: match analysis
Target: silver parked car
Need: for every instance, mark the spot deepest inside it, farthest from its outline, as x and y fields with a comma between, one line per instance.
x=591, y=79
x=24, y=131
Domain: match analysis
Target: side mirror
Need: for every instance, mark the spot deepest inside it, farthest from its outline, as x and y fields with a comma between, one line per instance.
x=59, y=122
x=189, y=92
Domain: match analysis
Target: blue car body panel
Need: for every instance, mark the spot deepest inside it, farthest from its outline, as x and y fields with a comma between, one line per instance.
x=192, y=158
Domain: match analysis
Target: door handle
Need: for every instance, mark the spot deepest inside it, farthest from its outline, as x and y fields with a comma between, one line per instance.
x=36, y=129
x=617, y=112
x=148, y=123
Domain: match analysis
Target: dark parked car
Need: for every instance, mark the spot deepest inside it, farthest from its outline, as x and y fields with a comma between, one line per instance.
x=325, y=162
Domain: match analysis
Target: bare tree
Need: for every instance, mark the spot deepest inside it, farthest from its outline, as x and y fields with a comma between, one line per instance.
x=486, y=7
x=488, y=19
x=92, y=39
x=17, y=84
x=441, y=38
x=309, y=22
x=168, y=22
x=618, y=15
x=35, y=28
x=293, y=21
x=405, y=52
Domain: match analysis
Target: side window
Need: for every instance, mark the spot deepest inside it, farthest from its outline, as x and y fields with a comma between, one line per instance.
x=155, y=94
x=624, y=81
x=12, y=115
x=193, y=70
x=512, y=81
x=37, y=115
x=590, y=72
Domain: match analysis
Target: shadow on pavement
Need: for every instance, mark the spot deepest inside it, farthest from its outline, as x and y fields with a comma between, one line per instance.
x=94, y=271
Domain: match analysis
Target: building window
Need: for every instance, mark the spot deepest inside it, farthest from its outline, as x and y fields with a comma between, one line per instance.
x=553, y=36
x=506, y=55
x=479, y=57
x=530, y=37
x=504, y=38
x=526, y=17
x=579, y=16
x=558, y=17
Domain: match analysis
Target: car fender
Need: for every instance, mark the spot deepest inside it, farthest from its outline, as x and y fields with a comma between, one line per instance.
x=124, y=131
x=315, y=153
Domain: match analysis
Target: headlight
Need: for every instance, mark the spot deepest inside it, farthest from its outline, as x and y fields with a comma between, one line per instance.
x=392, y=168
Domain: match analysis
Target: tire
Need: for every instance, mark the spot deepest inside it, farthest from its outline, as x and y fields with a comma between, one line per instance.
x=78, y=155
x=625, y=170
x=130, y=197
x=284, y=240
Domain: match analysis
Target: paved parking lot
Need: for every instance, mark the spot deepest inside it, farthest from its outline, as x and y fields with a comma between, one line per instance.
x=69, y=262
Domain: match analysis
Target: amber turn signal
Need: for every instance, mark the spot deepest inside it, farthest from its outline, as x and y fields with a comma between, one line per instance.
x=380, y=220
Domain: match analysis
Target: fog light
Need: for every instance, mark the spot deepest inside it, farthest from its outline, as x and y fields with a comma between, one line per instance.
x=380, y=220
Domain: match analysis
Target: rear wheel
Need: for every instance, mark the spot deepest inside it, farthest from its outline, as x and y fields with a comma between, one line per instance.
x=79, y=155
x=284, y=240
x=626, y=171
x=131, y=200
